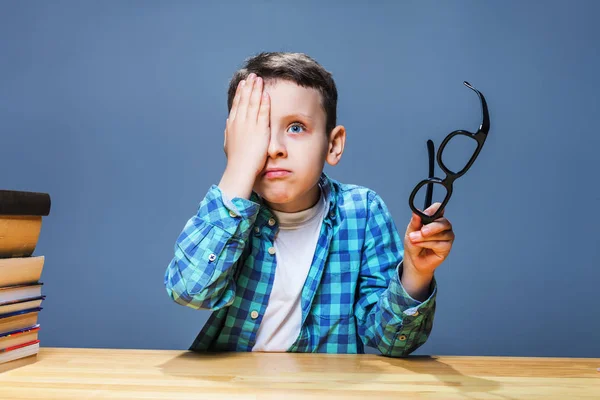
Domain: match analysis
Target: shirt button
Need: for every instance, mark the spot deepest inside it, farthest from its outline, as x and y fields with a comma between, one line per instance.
x=416, y=313
x=271, y=250
x=257, y=229
x=332, y=214
x=402, y=337
x=232, y=214
x=271, y=221
x=212, y=257
x=254, y=314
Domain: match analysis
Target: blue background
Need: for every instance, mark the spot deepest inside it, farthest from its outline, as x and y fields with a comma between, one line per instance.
x=117, y=110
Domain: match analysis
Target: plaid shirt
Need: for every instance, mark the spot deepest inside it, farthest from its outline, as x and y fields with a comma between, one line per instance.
x=225, y=262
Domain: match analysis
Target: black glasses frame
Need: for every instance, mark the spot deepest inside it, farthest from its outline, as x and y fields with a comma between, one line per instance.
x=451, y=176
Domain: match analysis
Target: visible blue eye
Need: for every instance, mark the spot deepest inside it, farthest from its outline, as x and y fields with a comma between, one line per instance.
x=295, y=128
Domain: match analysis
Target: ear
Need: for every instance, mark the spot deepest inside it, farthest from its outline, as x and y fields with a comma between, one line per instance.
x=337, y=140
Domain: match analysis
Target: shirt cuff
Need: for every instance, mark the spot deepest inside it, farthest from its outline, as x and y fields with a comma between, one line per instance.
x=240, y=206
x=236, y=216
x=402, y=303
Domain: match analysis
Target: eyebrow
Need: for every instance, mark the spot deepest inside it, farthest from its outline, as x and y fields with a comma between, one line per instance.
x=296, y=115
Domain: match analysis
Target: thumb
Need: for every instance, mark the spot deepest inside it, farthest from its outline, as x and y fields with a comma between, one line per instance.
x=416, y=222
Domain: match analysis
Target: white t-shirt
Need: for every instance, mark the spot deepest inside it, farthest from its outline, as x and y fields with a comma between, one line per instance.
x=295, y=245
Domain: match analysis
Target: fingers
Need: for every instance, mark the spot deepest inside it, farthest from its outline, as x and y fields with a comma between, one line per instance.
x=416, y=223
x=439, y=247
x=419, y=238
x=437, y=226
x=245, y=94
x=255, y=99
x=236, y=101
x=248, y=99
x=440, y=229
x=432, y=209
x=265, y=110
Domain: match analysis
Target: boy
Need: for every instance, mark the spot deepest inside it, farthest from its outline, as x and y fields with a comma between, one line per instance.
x=287, y=258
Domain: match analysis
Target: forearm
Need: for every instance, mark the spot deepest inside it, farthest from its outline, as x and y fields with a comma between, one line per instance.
x=201, y=273
x=396, y=324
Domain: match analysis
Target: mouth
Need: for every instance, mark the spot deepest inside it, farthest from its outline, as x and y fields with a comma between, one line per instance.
x=276, y=173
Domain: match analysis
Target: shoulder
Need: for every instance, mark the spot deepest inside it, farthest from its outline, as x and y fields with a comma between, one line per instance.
x=357, y=200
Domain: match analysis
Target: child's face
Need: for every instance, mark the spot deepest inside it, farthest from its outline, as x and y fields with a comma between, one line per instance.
x=299, y=144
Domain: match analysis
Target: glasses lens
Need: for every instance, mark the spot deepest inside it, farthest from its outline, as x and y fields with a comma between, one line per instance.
x=438, y=194
x=458, y=152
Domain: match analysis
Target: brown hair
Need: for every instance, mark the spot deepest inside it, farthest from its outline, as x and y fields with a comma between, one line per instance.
x=296, y=67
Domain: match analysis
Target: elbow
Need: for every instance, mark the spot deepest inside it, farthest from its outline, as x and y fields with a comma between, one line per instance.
x=403, y=346
x=199, y=301
x=211, y=297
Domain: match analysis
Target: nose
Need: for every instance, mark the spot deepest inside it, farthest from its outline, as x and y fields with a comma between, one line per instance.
x=277, y=148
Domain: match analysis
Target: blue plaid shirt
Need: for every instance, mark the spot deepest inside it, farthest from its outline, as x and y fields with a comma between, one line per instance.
x=225, y=262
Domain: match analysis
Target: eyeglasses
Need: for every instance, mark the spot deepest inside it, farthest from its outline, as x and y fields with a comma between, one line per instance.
x=451, y=176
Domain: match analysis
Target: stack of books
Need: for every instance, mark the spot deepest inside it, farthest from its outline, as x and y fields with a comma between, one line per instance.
x=20, y=272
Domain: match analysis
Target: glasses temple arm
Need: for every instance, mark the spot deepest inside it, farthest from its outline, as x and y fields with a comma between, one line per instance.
x=429, y=193
x=485, y=125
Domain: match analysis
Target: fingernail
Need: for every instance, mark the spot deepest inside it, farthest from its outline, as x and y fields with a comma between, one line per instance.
x=425, y=231
x=243, y=83
x=413, y=235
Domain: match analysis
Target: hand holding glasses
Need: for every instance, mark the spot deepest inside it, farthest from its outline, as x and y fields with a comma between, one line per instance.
x=451, y=176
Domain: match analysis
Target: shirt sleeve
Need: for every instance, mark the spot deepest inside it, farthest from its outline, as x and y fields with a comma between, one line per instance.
x=389, y=319
x=201, y=273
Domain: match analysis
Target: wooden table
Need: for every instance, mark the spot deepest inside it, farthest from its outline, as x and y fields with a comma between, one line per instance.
x=63, y=373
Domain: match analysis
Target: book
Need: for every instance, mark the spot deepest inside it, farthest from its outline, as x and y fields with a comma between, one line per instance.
x=19, y=235
x=19, y=320
x=21, y=296
x=20, y=270
x=20, y=305
x=9, y=340
x=16, y=202
x=20, y=292
x=23, y=361
x=21, y=352
x=21, y=215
